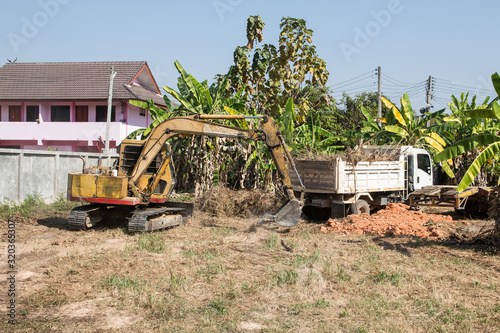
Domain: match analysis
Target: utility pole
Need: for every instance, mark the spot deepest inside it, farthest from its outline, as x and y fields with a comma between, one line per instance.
x=110, y=108
x=379, y=97
x=428, y=98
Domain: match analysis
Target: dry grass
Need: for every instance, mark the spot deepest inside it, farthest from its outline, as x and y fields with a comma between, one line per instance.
x=233, y=275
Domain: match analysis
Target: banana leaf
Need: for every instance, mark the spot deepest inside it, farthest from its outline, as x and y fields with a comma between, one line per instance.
x=447, y=169
x=474, y=169
x=397, y=130
x=395, y=111
x=495, y=78
x=493, y=113
x=182, y=100
x=437, y=138
x=407, y=110
x=371, y=123
x=466, y=145
x=188, y=81
x=431, y=141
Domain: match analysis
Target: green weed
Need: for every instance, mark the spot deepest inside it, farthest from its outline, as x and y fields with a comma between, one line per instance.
x=222, y=231
x=121, y=283
x=151, y=242
x=33, y=205
x=176, y=281
x=210, y=270
x=272, y=243
x=286, y=277
x=307, y=260
x=383, y=276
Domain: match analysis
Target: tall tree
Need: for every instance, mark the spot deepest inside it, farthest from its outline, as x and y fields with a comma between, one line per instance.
x=270, y=75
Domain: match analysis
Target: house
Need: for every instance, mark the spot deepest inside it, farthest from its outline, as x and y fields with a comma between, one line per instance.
x=63, y=105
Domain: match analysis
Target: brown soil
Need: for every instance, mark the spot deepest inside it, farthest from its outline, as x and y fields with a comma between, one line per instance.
x=395, y=219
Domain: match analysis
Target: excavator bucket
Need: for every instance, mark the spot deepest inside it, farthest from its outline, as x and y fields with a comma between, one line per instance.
x=287, y=215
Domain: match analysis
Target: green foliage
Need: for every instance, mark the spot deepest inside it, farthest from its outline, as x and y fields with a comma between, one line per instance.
x=409, y=130
x=479, y=125
x=150, y=242
x=286, y=277
x=276, y=73
x=34, y=206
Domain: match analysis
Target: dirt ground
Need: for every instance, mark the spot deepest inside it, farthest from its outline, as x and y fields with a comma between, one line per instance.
x=231, y=274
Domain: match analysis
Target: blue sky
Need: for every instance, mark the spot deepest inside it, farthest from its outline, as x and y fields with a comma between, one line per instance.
x=454, y=41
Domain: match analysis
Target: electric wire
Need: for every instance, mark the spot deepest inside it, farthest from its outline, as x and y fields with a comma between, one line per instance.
x=346, y=83
x=440, y=92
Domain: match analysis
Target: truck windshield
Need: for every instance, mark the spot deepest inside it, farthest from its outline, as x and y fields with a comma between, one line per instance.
x=424, y=163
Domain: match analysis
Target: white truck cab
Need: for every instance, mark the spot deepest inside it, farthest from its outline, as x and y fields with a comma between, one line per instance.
x=418, y=166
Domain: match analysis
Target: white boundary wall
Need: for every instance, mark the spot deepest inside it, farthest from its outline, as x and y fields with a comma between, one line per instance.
x=25, y=172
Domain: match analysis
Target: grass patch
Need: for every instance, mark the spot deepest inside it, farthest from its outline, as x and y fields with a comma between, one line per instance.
x=34, y=206
x=394, y=277
x=272, y=243
x=286, y=277
x=151, y=242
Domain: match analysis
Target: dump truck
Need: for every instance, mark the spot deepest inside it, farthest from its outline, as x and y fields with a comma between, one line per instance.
x=138, y=187
x=386, y=174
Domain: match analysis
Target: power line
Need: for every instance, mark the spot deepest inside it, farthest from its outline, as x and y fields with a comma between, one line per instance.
x=457, y=84
x=345, y=83
x=399, y=83
x=432, y=90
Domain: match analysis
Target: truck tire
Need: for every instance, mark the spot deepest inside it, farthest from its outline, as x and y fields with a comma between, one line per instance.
x=360, y=207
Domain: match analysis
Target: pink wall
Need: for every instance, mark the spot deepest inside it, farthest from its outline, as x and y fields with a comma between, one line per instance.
x=68, y=135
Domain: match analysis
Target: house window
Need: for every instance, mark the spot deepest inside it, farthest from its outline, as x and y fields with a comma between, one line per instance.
x=32, y=113
x=14, y=113
x=82, y=113
x=142, y=112
x=101, y=113
x=59, y=113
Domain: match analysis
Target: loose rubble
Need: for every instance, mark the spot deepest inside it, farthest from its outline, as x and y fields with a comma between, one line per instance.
x=395, y=219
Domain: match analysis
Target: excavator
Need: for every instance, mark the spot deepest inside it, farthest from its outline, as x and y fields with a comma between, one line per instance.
x=138, y=186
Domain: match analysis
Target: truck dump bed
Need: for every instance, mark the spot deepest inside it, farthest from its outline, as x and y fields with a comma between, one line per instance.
x=338, y=176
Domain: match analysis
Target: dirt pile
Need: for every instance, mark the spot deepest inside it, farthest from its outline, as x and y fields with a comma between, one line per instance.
x=395, y=219
x=223, y=202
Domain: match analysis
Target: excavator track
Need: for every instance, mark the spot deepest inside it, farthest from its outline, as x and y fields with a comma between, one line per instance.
x=80, y=217
x=151, y=219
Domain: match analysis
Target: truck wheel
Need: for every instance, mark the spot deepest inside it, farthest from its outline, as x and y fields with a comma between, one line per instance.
x=360, y=207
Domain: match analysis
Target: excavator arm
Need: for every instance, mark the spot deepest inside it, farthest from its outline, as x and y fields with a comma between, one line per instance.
x=196, y=125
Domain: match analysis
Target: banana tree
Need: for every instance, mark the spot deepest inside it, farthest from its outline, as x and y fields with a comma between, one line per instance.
x=410, y=130
x=487, y=141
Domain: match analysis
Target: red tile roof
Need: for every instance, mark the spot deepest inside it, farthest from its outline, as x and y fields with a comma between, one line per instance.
x=73, y=81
